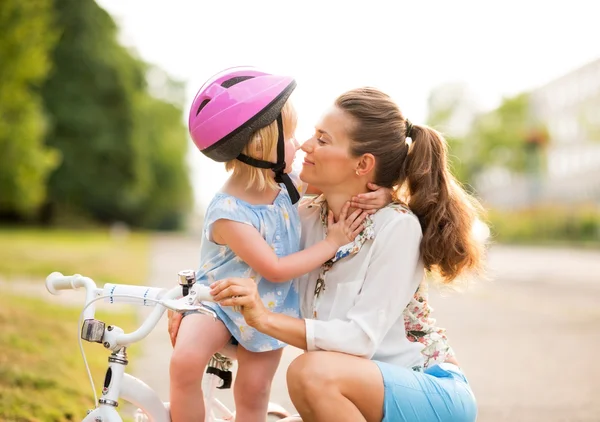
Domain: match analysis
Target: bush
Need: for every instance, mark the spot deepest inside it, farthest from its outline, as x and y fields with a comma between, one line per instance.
x=547, y=224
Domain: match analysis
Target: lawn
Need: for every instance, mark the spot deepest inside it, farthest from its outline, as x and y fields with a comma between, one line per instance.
x=42, y=375
x=97, y=254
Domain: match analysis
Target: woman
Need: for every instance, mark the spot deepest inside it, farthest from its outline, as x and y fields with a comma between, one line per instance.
x=371, y=355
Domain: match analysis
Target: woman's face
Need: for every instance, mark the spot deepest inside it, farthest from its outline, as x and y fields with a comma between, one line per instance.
x=328, y=161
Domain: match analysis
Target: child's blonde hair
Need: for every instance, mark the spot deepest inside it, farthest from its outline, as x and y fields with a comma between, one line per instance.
x=263, y=146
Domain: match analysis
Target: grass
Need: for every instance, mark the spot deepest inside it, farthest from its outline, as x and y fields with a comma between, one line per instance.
x=548, y=225
x=42, y=376
x=97, y=254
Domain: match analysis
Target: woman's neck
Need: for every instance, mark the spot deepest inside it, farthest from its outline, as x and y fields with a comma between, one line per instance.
x=336, y=200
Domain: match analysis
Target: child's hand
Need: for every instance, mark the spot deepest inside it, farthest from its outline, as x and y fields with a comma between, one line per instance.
x=373, y=201
x=346, y=228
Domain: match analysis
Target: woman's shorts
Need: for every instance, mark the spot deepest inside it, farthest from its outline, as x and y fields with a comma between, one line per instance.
x=439, y=394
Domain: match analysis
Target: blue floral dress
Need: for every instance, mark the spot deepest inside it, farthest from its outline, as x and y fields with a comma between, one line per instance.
x=279, y=225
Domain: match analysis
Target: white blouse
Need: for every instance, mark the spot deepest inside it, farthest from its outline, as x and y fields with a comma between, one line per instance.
x=360, y=308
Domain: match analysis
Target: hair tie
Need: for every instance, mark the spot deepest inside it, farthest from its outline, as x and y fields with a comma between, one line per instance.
x=409, y=128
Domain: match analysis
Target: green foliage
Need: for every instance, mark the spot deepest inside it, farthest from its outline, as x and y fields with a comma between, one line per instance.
x=115, y=145
x=104, y=256
x=27, y=37
x=90, y=98
x=42, y=376
x=547, y=224
x=123, y=149
x=499, y=137
x=507, y=137
x=162, y=196
x=445, y=103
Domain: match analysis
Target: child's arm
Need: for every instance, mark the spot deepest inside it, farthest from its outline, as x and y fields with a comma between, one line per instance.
x=247, y=243
x=373, y=201
x=369, y=202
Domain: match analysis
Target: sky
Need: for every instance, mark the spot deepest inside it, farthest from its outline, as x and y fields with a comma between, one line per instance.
x=497, y=48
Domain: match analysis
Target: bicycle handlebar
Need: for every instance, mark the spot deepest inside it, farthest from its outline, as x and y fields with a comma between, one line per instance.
x=141, y=295
x=56, y=281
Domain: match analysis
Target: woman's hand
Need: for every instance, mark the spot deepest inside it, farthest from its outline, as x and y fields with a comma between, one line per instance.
x=373, y=201
x=242, y=293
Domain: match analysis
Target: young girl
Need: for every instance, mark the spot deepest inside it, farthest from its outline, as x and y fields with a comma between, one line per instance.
x=243, y=117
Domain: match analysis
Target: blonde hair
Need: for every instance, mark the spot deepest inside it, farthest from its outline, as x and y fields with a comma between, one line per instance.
x=263, y=146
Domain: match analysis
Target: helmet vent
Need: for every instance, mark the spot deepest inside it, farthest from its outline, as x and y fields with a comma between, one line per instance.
x=236, y=80
x=202, y=104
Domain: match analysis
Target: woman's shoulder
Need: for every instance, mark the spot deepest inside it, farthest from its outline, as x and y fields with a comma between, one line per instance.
x=396, y=215
x=310, y=205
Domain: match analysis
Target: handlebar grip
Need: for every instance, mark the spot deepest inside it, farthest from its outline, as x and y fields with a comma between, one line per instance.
x=203, y=293
x=56, y=281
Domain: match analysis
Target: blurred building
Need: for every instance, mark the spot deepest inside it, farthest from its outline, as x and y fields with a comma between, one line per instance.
x=570, y=171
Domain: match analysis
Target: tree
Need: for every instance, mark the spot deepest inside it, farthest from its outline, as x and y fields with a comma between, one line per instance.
x=27, y=37
x=123, y=148
x=505, y=136
x=90, y=96
x=163, y=196
x=451, y=110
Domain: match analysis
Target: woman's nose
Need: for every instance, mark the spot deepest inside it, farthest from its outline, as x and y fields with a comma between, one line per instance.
x=307, y=146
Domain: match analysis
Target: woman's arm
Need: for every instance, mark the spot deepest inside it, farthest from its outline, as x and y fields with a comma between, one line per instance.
x=247, y=243
x=242, y=292
x=392, y=279
x=394, y=274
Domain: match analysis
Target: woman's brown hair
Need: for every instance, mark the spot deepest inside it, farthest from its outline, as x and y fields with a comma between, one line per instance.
x=419, y=172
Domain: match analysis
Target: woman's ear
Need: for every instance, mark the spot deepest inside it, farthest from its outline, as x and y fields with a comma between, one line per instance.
x=365, y=165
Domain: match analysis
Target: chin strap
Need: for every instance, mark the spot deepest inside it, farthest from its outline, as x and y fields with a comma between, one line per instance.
x=278, y=167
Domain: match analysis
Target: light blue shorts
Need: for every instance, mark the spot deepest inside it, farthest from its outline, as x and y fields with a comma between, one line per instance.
x=439, y=394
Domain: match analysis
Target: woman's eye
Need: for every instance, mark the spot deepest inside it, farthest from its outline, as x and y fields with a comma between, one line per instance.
x=320, y=141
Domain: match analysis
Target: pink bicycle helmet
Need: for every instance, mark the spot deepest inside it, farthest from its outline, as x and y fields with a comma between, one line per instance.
x=234, y=104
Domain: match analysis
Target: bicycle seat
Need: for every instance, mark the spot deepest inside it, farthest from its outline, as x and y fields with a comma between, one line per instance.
x=229, y=351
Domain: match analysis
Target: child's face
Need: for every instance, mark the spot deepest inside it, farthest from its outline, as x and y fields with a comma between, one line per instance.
x=291, y=146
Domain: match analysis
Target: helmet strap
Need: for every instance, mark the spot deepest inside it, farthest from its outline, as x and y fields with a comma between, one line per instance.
x=278, y=167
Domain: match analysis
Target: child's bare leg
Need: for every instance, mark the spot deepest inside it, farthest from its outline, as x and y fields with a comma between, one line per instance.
x=253, y=383
x=199, y=337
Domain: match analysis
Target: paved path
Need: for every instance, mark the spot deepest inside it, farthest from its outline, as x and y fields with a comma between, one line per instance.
x=527, y=339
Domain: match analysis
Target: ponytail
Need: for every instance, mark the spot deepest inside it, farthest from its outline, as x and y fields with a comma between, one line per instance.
x=420, y=171
x=446, y=212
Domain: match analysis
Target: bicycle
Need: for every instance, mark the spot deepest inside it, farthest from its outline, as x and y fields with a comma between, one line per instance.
x=120, y=385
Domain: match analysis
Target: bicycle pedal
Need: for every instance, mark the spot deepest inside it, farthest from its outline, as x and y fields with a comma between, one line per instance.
x=226, y=376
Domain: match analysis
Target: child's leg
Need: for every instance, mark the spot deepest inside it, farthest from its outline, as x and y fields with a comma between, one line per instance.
x=199, y=337
x=253, y=383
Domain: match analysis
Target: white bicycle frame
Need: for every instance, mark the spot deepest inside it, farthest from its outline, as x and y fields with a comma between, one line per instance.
x=117, y=383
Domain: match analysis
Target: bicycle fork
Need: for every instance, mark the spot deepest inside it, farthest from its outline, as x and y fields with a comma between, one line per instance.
x=120, y=385
x=111, y=389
